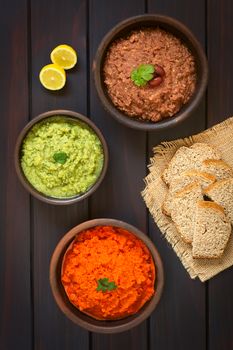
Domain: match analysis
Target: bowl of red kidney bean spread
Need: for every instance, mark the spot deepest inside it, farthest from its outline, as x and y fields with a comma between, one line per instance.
x=150, y=72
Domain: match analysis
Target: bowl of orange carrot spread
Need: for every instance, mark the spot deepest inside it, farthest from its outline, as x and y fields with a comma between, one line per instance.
x=106, y=275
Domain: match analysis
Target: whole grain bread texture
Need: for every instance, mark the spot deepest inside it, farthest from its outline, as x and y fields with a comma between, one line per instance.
x=221, y=192
x=202, y=178
x=183, y=210
x=188, y=158
x=212, y=231
x=217, y=167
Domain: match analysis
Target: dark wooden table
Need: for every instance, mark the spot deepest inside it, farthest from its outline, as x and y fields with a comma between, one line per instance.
x=191, y=314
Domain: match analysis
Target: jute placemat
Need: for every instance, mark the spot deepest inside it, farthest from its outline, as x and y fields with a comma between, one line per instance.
x=220, y=136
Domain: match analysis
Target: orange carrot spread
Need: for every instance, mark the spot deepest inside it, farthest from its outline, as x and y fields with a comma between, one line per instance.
x=108, y=273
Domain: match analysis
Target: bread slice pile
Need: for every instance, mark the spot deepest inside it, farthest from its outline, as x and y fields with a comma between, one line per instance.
x=200, y=198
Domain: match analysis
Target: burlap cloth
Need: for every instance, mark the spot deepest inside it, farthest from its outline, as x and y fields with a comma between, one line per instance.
x=220, y=136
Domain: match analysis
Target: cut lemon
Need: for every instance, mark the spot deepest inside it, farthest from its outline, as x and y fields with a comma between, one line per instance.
x=52, y=77
x=64, y=56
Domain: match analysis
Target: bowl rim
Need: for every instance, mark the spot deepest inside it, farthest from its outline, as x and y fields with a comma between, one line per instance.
x=59, y=253
x=189, y=108
x=69, y=115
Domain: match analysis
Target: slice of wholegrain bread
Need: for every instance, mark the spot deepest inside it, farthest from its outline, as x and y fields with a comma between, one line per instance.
x=212, y=231
x=221, y=192
x=187, y=177
x=183, y=209
x=187, y=158
x=179, y=160
x=217, y=167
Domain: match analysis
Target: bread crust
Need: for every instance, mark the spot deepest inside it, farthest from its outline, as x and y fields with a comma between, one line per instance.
x=163, y=177
x=202, y=174
x=221, y=213
x=191, y=175
x=198, y=256
x=165, y=212
x=217, y=162
x=187, y=188
x=181, y=152
x=217, y=184
x=218, y=169
x=211, y=205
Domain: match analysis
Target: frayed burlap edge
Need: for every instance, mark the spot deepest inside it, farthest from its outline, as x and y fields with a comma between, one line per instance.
x=219, y=136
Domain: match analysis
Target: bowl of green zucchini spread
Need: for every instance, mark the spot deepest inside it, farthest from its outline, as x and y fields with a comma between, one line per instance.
x=62, y=157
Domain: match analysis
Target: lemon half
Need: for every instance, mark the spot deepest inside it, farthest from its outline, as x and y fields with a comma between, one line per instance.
x=52, y=77
x=64, y=56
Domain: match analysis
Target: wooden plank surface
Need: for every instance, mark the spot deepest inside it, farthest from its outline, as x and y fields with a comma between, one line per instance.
x=191, y=315
x=53, y=23
x=119, y=196
x=181, y=313
x=15, y=303
x=220, y=107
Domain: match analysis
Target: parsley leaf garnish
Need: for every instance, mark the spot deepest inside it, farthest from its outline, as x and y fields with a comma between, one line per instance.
x=104, y=285
x=60, y=157
x=142, y=74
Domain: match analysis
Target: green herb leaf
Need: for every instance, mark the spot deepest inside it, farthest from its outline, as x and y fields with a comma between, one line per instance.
x=142, y=74
x=60, y=157
x=104, y=285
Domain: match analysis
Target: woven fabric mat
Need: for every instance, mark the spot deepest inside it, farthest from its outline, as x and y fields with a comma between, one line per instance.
x=221, y=137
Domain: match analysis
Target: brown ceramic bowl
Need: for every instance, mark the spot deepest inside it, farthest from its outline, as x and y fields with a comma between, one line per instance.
x=177, y=29
x=69, y=115
x=84, y=320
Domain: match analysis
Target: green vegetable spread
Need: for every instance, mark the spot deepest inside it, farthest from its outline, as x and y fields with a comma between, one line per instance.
x=61, y=158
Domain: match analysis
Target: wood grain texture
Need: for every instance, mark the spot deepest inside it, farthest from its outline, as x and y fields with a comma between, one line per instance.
x=220, y=106
x=192, y=14
x=190, y=315
x=15, y=303
x=220, y=46
x=127, y=147
x=181, y=313
x=53, y=23
x=119, y=196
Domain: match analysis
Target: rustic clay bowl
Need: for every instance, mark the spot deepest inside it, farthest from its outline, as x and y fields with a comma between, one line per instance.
x=69, y=115
x=82, y=319
x=177, y=29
